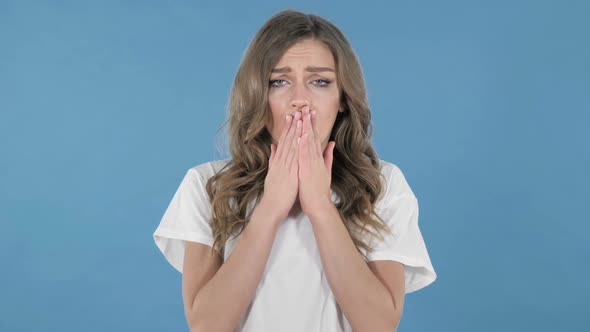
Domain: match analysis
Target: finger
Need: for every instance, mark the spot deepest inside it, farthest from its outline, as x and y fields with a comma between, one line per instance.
x=306, y=124
x=288, y=120
x=288, y=125
x=305, y=109
x=272, y=152
x=293, y=152
x=310, y=141
x=304, y=113
x=329, y=156
x=289, y=139
x=316, y=134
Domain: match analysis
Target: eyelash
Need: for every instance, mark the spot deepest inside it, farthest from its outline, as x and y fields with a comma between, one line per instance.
x=326, y=83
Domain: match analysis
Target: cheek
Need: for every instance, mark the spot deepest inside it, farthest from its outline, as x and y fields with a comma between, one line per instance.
x=327, y=111
x=325, y=122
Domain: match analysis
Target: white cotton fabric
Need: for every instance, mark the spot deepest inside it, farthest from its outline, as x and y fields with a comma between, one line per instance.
x=294, y=293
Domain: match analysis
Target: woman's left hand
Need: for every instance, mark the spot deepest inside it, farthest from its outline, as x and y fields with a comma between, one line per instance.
x=315, y=166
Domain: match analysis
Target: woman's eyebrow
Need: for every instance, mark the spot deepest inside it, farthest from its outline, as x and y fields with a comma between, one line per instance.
x=312, y=69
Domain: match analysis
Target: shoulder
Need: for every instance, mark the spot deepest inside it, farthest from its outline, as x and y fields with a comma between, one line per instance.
x=396, y=183
x=388, y=168
x=391, y=172
x=208, y=169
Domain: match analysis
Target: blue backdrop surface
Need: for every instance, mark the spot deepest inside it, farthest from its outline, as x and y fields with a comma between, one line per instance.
x=105, y=105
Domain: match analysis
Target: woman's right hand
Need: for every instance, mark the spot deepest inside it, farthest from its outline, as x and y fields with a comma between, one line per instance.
x=281, y=184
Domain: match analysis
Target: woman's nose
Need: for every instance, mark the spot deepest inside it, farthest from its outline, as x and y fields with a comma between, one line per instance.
x=297, y=104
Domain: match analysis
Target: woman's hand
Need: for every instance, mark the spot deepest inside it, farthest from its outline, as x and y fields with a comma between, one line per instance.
x=281, y=183
x=315, y=166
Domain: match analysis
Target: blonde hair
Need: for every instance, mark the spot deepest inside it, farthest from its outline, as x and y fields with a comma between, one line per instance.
x=356, y=167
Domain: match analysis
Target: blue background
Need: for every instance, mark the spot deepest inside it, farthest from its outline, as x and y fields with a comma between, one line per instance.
x=105, y=105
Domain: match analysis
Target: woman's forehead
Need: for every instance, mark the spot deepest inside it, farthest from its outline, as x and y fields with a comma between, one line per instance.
x=312, y=55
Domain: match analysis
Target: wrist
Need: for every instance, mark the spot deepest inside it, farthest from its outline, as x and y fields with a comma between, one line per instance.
x=267, y=210
x=321, y=209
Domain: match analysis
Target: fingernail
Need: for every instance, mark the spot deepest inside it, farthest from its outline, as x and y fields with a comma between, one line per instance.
x=288, y=117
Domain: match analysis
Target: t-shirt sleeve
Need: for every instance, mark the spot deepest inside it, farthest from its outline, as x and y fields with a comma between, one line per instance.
x=185, y=219
x=399, y=210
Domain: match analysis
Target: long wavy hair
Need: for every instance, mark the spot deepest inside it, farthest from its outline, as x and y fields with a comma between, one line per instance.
x=356, y=175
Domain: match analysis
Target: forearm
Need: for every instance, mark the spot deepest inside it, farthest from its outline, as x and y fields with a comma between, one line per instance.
x=224, y=299
x=365, y=301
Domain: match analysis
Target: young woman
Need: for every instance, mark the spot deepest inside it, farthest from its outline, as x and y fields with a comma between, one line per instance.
x=304, y=228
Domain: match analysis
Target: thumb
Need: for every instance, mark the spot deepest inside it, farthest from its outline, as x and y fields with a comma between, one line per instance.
x=329, y=155
x=273, y=150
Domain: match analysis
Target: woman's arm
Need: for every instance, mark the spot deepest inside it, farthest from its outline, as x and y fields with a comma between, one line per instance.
x=364, y=299
x=220, y=304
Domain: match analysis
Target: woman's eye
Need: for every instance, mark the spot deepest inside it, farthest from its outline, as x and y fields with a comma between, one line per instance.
x=322, y=82
x=276, y=83
x=279, y=82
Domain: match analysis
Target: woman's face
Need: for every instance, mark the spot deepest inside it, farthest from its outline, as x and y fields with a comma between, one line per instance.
x=305, y=75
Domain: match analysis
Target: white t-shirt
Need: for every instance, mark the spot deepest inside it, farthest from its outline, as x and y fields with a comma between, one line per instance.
x=293, y=293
